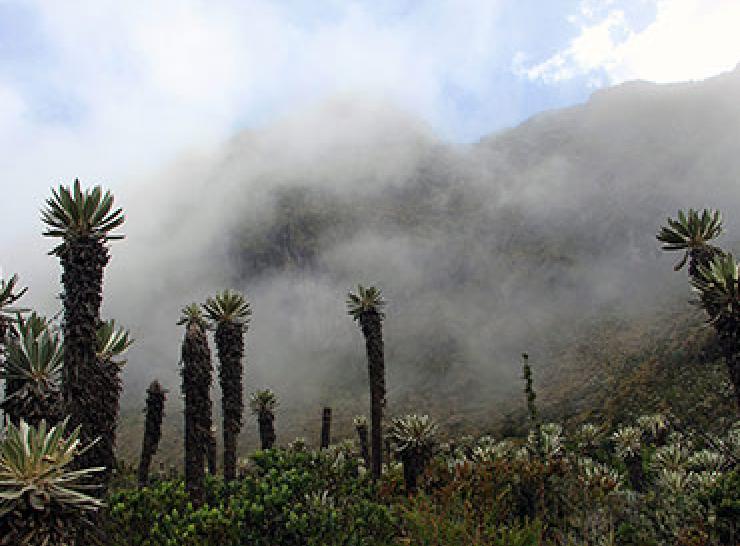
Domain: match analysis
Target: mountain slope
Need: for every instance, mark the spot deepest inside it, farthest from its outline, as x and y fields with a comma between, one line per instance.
x=540, y=238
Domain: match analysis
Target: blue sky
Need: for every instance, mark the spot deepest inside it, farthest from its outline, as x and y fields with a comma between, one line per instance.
x=114, y=91
x=467, y=51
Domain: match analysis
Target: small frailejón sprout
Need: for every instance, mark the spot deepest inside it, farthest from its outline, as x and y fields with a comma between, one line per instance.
x=366, y=307
x=196, y=382
x=42, y=498
x=628, y=446
x=263, y=403
x=656, y=426
x=691, y=233
x=414, y=438
x=33, y=366
x=230, y=312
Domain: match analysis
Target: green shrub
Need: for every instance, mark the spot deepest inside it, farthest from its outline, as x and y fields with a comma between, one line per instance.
x=287, y=498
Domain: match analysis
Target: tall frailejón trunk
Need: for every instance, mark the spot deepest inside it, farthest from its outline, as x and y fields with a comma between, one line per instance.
x=728, y=331
x=230, y=344
x=195, y=371
x=207, y=417
x=83, y=260
x=362, y=435
x=106, y=418
x=155, y=397
x=371, y=324
x=211, y=451
x=325, y=427
x=266, y=421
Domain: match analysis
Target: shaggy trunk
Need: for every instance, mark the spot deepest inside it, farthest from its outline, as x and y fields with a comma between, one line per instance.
x=411, y=468
x=33, y=405
x=266, y=420
x=230, y=343
x=372, y=330
x=414, y=461
x=105, y=419
x=49, y=527
x=155, y=397
x=729, y=337
x=195, y=371
x=325, y=428
x=11, y=385
x=211, y=452
x=364, y=451
x=634, y=471
x=83, y=261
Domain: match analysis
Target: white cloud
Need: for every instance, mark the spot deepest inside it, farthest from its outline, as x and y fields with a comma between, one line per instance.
x=151, y=80
x=688, y=40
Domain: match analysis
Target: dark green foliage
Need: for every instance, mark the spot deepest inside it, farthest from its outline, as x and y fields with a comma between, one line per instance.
x=290, y=498
x=155, y=399
x=366, y=307
x=723, y=500
x=196, y=382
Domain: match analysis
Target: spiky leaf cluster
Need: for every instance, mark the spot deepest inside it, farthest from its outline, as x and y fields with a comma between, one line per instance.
x=365, y=300
x=112, y=341
x=413, y=432
x=36, y=357
x=72, y=214
x=9, y=294
x=627, y=441
x=42, y=499
x=228, y=306
x=263, y=401
x=548, y=440
x=691, y=232
x=33, y=469
x=719, y=287
x=588, y=436
x=33, y=367
x=192, y=314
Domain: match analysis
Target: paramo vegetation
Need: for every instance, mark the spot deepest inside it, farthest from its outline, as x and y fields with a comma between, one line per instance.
x=650, y=481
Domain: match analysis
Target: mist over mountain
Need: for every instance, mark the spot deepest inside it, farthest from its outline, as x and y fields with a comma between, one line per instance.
x=520, y=242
